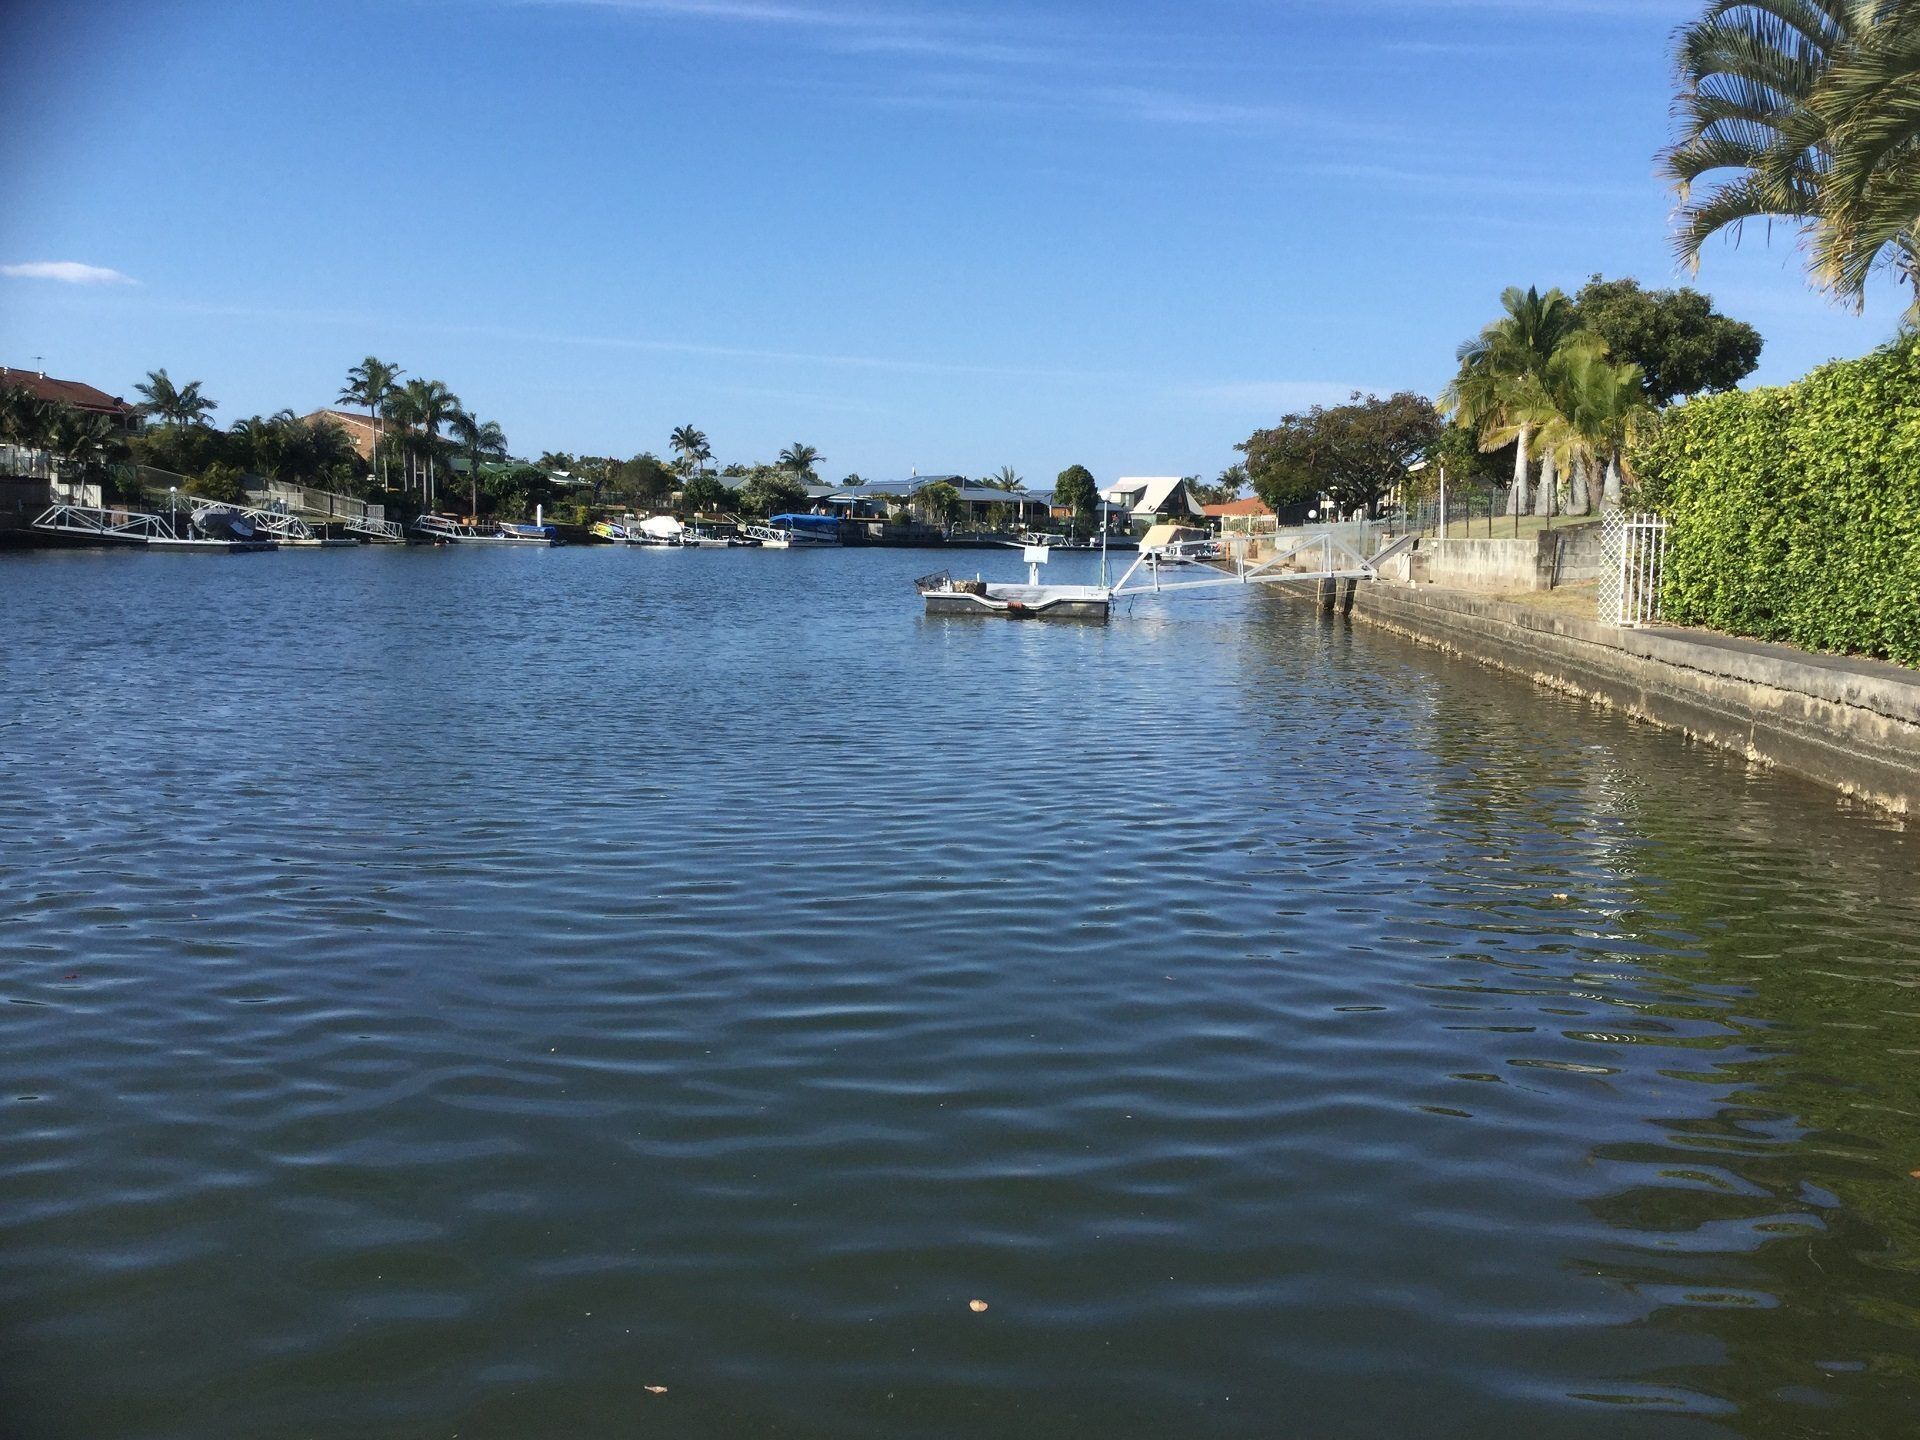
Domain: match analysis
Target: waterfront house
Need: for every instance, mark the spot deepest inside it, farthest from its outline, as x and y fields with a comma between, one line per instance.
x=76, y=393
x=1242, y=517
x=357, y=428
x=30, y=478
x=1151, y=498
x=980, y=504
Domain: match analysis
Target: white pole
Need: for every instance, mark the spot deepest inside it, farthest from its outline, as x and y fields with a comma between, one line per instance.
x=1443, y=502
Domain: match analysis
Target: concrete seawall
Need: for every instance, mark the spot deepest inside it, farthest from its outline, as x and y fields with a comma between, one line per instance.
x=1847, y=723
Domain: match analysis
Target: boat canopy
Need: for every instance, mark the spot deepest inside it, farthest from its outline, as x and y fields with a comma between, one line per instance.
x=813, y=524
x=1161, y=536
x=661, y=527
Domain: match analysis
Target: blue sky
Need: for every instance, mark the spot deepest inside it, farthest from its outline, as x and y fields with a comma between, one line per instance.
x=933, y=236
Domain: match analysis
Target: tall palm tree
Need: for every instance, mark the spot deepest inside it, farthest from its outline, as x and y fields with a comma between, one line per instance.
x=427, y=406
x=1500, y=389
x=1597, y=404
x=1867, y=108
x=1005, y=479
x=371, y=383
x=1805, y=112
x=801, y=459
x=691, y=446
x=183, y=405
x=478, y=440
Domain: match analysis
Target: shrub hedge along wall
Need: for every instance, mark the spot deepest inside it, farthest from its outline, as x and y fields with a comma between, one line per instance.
x=1795, y=511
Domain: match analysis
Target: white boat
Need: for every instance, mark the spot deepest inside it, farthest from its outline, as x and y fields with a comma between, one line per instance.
x=528, y=534
x=445, y=530
x=657, y=531
x=1180, y=545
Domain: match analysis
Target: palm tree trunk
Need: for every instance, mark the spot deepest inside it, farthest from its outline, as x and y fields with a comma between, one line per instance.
x=1612, y=489
x=1517, y=496
x=1549, y=482
x=1580, y=502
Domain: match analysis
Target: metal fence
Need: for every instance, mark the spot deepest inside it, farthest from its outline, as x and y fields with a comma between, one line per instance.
x=1636, y=547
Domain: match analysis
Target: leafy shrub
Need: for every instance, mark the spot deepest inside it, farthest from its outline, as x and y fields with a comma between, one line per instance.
x=1796, y=511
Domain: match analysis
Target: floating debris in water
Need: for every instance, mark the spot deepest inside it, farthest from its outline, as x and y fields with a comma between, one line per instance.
x=977, y=1306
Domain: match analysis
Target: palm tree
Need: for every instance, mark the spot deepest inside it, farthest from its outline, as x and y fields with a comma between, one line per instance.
x=81, y=440
x=1005, y=479
x=940, y=501
x=801, y=459
x=371, y=383
x=1806, y=112
x=478, y=440
x=1867, y=109
x=183, y=405
x=691, y=446
x=1596, y=406
x=1500, y=390
x=425, y=405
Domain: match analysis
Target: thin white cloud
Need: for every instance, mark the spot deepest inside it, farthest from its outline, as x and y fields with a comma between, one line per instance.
x=66, y=272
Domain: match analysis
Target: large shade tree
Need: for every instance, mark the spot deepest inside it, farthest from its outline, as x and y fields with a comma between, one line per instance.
x=1682, y=345
x=1075, y=490
x=1353, y=454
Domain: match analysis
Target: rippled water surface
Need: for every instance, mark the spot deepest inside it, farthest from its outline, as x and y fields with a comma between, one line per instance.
x=452, y=992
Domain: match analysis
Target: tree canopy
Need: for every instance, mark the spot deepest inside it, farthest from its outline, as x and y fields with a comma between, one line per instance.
x=772, y=492
x=1353, y=453
x=1075, y=490
x=705, y=495
x=1682, y=345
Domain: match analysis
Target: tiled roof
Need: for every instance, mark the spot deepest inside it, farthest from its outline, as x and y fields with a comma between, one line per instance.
x=67, y=392
x=1252, y=505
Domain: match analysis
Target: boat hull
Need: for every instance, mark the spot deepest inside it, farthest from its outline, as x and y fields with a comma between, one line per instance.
x=1022, y=602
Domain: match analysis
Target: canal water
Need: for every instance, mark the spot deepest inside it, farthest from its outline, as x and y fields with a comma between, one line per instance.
x=600, y=993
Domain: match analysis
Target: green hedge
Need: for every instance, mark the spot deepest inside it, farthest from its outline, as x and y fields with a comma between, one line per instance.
x=1796, y=511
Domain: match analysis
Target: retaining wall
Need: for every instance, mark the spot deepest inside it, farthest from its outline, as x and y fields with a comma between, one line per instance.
x=1529, y=562
x=1851, y=724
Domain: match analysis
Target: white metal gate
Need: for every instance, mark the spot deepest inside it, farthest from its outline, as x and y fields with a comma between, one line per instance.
x=1636, y=547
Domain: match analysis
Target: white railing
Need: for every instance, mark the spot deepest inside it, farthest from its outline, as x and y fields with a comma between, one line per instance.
x=1636, y=548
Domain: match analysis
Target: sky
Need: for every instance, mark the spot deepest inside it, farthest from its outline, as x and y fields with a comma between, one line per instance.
x=936, y=237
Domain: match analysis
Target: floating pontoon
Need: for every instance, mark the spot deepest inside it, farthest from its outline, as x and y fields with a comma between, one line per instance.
x=944, y=595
